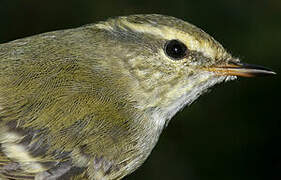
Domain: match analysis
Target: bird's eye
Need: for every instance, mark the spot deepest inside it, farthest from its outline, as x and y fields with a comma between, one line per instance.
x=175, y=49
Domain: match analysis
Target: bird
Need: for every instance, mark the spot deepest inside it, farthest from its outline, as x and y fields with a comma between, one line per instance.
x=89, y=103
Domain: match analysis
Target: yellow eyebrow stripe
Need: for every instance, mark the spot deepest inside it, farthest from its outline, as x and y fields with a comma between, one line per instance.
x=205, y=47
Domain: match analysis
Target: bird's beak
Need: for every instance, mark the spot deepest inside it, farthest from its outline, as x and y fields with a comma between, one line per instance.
x=241, y=69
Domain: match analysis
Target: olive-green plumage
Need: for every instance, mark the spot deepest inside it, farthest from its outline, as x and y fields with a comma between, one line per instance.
x=91, y=102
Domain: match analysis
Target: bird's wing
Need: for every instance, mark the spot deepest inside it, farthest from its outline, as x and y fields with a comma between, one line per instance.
x=9, y=170
x=34, y=108
x=52, y=104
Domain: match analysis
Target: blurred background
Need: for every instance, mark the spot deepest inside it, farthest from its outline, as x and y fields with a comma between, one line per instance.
x=232, y=133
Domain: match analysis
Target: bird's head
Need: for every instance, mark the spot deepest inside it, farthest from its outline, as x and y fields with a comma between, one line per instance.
x=171, y=62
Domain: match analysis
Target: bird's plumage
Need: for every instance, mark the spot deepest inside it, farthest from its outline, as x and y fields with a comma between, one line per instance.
x=91, y=102
x=55, y=106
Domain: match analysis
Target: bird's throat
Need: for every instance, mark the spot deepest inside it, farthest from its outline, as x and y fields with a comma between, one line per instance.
x=165, y=104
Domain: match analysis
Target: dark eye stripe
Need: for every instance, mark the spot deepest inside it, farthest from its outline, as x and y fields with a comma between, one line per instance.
x=175, y=49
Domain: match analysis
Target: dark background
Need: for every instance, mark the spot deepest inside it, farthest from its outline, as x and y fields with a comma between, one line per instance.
x=231, y=133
